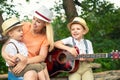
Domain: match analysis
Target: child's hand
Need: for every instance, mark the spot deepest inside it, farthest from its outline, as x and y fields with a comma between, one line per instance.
x=16, y=58
x=86, y=59
x=21, y=65
x=10, y=60
x=73, y=51
x=82, y=59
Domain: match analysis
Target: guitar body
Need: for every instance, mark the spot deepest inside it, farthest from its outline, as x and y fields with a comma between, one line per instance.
x=62, y=61
x=57, y=62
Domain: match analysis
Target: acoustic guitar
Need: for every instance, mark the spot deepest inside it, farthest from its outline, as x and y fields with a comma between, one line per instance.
x=62, y=61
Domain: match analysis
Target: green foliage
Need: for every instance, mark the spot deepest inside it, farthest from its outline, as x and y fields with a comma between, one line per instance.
x=3, y=68
x=7, y=8
x=60, y=29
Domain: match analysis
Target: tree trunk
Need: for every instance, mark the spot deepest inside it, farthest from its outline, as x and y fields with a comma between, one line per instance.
x=70, y=9
x=1, y=21
x=2, y=38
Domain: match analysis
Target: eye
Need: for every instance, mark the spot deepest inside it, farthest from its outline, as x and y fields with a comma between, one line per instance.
x=33, y=18
x=38, y=21
x=72, y=29
x=78, y=29
x=19, y=30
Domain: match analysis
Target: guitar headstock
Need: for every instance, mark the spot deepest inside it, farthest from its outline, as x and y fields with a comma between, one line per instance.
x=115, y=54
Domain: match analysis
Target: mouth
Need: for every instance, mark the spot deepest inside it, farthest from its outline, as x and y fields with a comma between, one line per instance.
x=35, y=26
x=75, y=34
x=21, y=36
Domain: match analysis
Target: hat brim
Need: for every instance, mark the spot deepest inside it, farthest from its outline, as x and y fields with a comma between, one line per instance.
x=5, y=32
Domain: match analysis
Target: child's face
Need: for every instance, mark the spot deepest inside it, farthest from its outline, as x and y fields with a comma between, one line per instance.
x=77, y=31
x=16, y=33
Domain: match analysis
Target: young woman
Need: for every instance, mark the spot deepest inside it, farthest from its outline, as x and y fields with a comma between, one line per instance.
x=38, y=37
x=78, y=29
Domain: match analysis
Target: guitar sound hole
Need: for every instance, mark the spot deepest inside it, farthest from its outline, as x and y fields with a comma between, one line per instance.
x=62, y=58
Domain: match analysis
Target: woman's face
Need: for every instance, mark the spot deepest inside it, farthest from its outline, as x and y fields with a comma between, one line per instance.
x=77, y=31
x=38, y=24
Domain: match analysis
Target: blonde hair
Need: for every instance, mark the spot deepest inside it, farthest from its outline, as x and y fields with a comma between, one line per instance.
x=50, y=35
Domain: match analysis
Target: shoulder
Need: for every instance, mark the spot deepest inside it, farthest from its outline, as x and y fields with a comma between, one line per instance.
x=10, y=45
x=26, y=23
x=67, y=38
x=87, y=41
x=10, y=49
x=12, y=42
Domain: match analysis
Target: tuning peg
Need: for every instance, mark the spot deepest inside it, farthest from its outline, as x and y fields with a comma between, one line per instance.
x=113, y=50
x=115, y=54
x=116, y=51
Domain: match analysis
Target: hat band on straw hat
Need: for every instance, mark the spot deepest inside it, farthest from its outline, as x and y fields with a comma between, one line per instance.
x=13, y=25
x=42, y=16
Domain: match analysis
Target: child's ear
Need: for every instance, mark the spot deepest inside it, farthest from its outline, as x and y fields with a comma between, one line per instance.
x=10, y=33
x=84, y=32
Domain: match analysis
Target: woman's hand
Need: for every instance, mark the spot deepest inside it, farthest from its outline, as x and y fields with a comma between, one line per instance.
x=21, y=64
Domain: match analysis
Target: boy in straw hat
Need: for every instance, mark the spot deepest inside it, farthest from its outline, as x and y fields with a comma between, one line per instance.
x=15, y=47
x=78, y=29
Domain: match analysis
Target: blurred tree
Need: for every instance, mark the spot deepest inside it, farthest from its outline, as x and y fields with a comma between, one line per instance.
x=70, y=9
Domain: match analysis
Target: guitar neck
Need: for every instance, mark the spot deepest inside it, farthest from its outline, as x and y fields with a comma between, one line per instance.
x=100, y=55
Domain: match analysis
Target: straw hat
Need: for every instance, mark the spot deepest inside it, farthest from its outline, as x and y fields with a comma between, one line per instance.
x=79, y=20
x=44, y=14
x=10, y=24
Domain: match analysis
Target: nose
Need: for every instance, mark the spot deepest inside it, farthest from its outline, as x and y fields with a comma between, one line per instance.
x=21, y=32
x=34, y=22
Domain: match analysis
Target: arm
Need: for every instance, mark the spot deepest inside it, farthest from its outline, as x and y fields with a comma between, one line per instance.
x=18, y=57
x=8, y=58
x=60, y=45
x=41, y=57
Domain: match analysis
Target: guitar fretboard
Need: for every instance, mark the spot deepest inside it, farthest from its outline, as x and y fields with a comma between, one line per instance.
x=97, y=55
x=102, y=55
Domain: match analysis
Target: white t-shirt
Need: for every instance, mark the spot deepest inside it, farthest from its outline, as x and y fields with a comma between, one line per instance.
x=11, y=49
x=80, y=44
